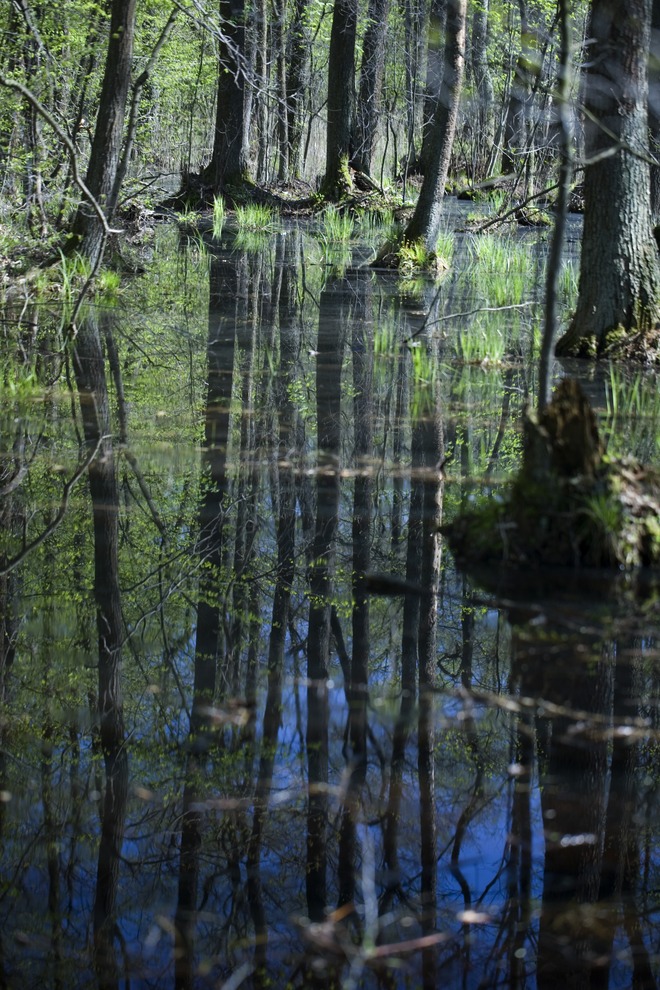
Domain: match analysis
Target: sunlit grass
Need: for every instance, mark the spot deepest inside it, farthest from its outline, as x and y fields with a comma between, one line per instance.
x=256, y=217
x=444, y=247
x=500, y=268
x=568, y=284
x=376, y=221
x=632, y=413
x=337, y=225
x=483, y=341
x=218, y=216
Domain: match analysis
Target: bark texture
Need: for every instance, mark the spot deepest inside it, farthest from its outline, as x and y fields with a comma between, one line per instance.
x=229, y=160
x=619, y=271
x=371, y=81
x=341, y=79
x=108, y=133
x=425, y=223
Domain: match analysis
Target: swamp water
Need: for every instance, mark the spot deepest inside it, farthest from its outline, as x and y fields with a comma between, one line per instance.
x=323, y=756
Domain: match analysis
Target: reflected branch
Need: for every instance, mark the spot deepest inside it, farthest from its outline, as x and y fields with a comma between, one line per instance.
x=59, y=515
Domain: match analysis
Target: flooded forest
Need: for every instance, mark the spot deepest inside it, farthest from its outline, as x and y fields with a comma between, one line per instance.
x=304, y=748
x=258, y=728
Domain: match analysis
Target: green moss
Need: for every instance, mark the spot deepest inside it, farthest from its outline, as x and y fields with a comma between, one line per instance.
x=614, y=339
x=339, y=185
x=587, y=347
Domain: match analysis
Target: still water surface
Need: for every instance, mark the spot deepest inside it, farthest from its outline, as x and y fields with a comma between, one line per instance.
x=257, y=731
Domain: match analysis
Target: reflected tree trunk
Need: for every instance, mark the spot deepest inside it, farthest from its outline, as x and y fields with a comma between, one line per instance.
x=226, y=281
x=89, y=368
x=286, y=548
x=362, y=348
x=572, y=781
x=519, y=861
x=620, y=870
x=357, y=689
x=11, y=521
x=211, y=545
x=429, y=444
x=332, y=314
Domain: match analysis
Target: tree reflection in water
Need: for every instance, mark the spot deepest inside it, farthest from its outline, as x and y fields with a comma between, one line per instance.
x=326, y=758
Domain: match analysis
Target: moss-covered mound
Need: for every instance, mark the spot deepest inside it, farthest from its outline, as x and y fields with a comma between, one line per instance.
x=569, y=505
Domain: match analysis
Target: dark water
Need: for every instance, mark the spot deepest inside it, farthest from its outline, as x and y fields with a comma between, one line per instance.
x=257, y=731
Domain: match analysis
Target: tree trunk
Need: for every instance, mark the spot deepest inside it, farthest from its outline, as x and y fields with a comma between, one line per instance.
x=341, y=79
x=619, y=288
x=435, y=67
x=654, y=109
x=484, y=122
x=367, y=110
x=108, y=133
x=517, y=142
x=278, y=15
x=413, y=14
x=297, y=82
x=424, y=225
x=229, y=159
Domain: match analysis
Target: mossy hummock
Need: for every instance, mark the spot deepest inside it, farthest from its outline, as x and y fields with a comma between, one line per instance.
x=570, y=505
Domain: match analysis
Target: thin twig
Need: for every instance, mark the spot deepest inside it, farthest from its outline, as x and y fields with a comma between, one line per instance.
x=59, y=516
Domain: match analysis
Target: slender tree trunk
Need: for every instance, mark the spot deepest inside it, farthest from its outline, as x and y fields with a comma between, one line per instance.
x=424, y=225
x=435, y=67
x=413, y=18
x=296, y=85
x=88, y=234
x=260, y=95
x=278, y=15
x=484, y=125
x=517, y=116
x=367, y=109
x=89, y=370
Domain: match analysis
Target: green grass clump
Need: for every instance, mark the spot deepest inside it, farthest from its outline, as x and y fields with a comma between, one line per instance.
x=501, y=268
x=218, y=216
x=338, y=226
x=256, y=217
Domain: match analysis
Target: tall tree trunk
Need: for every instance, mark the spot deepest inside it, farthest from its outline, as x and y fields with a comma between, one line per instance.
x=229, y=160
x=341, y=80
x=278, y=16
x=367, y=109
x=519, y=128
x=619, y=291
x=296, y=84
x=89, y=370
x=654, y=109
x=260, y=93
x=424, y=225
x=88, y=233
x=328, y=408
x=413, y=19
x=435, y=67
x=484, y=124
